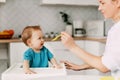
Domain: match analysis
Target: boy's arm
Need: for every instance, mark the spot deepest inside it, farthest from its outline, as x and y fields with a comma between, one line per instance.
x=54, y=63
x=26, y=67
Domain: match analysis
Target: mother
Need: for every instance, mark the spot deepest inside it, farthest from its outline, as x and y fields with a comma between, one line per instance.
x=110, y=61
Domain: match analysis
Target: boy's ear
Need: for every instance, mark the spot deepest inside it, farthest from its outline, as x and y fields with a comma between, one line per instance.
x=28, y=41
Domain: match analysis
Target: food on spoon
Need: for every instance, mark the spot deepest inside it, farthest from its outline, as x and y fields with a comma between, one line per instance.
x=54, y=39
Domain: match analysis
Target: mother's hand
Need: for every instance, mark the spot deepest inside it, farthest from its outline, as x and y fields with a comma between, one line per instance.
x=76, y=67
x=67, y=40
x=71, y=65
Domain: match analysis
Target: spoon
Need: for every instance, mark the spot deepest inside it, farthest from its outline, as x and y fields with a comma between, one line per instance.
x=54, y=39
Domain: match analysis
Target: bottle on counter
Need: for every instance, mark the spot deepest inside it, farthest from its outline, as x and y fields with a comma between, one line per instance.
x=69, y=29
x=52, y=35
x=46, y=35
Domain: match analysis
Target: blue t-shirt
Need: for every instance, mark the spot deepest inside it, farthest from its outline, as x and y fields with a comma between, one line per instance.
x=39, y=59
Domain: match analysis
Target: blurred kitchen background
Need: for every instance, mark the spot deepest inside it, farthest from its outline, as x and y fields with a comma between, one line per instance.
x=17, y=14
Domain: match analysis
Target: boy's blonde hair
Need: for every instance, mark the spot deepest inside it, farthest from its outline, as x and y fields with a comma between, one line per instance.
x=27, y=33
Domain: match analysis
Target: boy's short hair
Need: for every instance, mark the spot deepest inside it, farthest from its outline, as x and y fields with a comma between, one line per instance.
x=27, y=33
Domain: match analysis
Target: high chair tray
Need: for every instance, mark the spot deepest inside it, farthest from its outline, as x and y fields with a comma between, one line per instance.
x=16, y=72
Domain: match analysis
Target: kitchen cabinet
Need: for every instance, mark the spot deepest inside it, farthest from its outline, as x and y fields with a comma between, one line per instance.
x=61, y=53
x=2, y=1
x=16, y=50
x=94, y=47
x=3, y=51
x=71, y=2
x=3, y=58
x=3, y=66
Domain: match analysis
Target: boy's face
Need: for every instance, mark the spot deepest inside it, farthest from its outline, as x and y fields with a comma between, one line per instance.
x=36, y=41
x=108, y=8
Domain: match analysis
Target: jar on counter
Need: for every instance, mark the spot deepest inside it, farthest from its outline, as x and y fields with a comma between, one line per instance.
x=52, y=35
x=46, y=35
x=69, y=29
x=56, y=34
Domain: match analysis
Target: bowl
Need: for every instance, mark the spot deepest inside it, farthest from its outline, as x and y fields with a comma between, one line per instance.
x=5, y=36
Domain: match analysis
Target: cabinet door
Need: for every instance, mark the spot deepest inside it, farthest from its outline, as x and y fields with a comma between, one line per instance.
x=61, y=53
x=3, y=51
x=80, y=43
x=94, y=47
x=2, y=0
x=71, y=2
x=16, y=51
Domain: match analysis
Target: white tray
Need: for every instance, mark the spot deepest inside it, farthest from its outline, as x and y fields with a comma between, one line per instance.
x=16, y=72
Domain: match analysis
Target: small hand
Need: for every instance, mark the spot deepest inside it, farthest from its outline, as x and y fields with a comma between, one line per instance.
x=58, y=66
x=29, y=72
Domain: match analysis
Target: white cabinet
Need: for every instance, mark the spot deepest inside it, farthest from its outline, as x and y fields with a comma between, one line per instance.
x=94, y=47
x=3, y=58
x=3, y=51
x=16, y=50
x=2, y=0
x=61, y=53
x=72, y=2
x=3, y=66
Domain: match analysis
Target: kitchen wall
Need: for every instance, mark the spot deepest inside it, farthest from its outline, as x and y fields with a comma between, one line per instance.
x=17, y=14
x=108, y=23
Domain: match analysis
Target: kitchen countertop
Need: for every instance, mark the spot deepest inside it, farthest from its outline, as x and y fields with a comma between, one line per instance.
x=99, y=39
x=10, y=40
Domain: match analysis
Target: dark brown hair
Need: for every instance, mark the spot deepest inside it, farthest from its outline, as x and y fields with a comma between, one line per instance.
x=27, y=33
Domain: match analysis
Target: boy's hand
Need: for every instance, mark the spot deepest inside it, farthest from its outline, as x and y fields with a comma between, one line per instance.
x=29, y=72
x=58, y=66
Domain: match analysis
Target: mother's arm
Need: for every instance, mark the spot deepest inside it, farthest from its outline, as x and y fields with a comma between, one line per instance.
x=90, y=59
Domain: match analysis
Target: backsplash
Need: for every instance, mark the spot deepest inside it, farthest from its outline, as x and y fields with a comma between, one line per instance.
x=95, y=28
x=16, y=14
